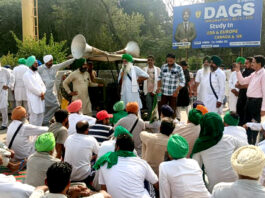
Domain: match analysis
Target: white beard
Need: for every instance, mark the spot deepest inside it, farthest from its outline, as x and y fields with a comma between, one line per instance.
x=127, y=68
x=205, y=70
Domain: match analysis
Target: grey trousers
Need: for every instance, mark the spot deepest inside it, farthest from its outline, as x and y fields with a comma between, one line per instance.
x=149, y=103
x=4, y=113
x=49, y=113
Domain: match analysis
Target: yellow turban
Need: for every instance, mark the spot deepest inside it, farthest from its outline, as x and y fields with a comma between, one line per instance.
x=248, y=161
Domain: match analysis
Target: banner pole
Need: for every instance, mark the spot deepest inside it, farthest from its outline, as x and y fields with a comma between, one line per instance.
x=241, y=51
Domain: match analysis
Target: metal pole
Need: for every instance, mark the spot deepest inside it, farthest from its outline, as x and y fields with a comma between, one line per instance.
x=241, y=51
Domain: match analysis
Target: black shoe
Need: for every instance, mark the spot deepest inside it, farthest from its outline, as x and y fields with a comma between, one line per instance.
x=3, y=128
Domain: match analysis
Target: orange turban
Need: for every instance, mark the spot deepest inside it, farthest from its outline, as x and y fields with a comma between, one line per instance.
x=18, y=113
x=202, y=109
x=132, y=107
x=75, y=106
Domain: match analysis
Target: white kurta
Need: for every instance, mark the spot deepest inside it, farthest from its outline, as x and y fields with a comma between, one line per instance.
x=126, y=178
x=79, y=149
x=75, y=117
x=23, y=145
x=20, y=93
x=34, y=87
x=181, y=178
x=5, y=80
x=127, y=95
x=242, y=188
x=218, y=82
x=10, y=188
x=237, y=132
x=232, y=97
x=217, y=160
x=262, y=177
x=202, y=77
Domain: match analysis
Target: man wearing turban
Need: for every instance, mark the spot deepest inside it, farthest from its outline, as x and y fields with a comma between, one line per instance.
x=179, y=172
x=20, y=93
x=41, y=160
x=6, y=82
x=81, y=81
x=215, y=87
x=231, y=120
x=214, y=150
x=23, y=145
x=191, y=130
x=119, y=108
x=128, y=78
x=133, y=124
x=35, y=89
x=48, y=73
x=248, y=162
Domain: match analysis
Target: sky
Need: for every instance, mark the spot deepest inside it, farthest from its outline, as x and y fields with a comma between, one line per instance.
x=180, y=2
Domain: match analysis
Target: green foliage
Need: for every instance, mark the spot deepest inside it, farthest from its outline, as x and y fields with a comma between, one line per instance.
x=195, y=63
x=41, y=48
x=8, y=59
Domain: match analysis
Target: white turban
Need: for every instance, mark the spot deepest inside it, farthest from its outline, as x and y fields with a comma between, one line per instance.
x=248, y=161
x=47, y=58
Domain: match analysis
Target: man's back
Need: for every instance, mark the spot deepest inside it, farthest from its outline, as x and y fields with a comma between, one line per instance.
x=130, y=174
x=128, y=122
x=59, y=131
x=101, y=132
x=217, y=160
x=242, y=188
x=181, y=178
x=78, y=152
x=75, y=117
x=37, y=166
x=237, y=132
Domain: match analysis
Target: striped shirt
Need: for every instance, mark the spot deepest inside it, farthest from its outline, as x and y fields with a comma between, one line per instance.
x=101, y=132
x=171, y=79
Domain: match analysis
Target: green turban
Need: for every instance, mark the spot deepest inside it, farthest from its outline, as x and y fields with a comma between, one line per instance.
x=195, y=116
x=30, y=61
x=207, y=58
x=230, y=120
x=216, y=60
x=177, y=146
x=79, y=62
x=127, y=57
x=45, y=142
x=211, y=133
x=241, y=60
x=22, y=61
x=119, y=130
x=119, y=106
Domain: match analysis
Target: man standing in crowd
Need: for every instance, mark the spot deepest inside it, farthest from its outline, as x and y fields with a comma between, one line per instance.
x=5, y=83
x=171, y=80
x=183, y=99
x=202, y=79
x=35, y=92
x=81, y=81
x=150, y=85
x=20, y=93
x=48, y=73
x=215, y=87
x=242, y=96
x=233, y=91
x=128, y=79
x=255, y=106
x=248, y=162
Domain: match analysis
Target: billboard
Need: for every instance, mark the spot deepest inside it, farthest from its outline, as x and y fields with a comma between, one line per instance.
x=228, y=23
